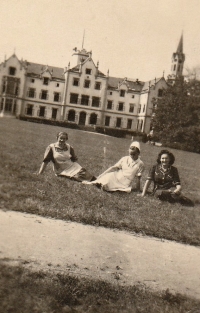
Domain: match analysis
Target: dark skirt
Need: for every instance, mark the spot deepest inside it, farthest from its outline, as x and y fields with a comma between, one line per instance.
x=82, y=175
x=168, y=195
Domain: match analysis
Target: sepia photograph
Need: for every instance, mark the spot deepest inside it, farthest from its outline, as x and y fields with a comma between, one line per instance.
x=100, y=156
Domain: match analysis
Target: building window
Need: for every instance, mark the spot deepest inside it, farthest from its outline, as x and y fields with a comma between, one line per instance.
x=54, y=113
x=4, y=87
x=118, y=122
x=12, y=70
x=76, y=82
x=139, y=108
x=31, y=93
x=109, y=105
x=93, y=119
x=44, y=95
x=131, y=107
x=174, y=67
x=8, y=105
x=41, y=112
x=107, y=121
x=141, y=124
x=121, y=106
x=57, y=84
x=32, y=80
x=87, y=83
x=122, y=93
x=2, y=102
x=110, y=92
x=74, y=98
x=56, y=97
x=160, y=92
x=129, y=123
x=29, y=109
x=84, y=100
x=95, y=102
x=97, y=86
x=133, y=96
x=88, y=71
x=45, y=81
x=16, y=90
x=71, y=116
x=144, y=108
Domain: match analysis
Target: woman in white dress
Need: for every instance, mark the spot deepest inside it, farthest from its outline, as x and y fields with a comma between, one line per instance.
x=121, y=175
x=64, y=160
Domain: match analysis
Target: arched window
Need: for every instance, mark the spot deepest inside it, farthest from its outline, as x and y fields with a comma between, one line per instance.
x=93, y=119
x=82, y=118
x=71, y=116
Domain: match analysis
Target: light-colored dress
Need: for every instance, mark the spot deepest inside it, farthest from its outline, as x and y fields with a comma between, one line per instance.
x=61, y=158
x=122, y=178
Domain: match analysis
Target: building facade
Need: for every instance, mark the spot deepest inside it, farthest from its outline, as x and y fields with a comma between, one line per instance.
x=81, y=94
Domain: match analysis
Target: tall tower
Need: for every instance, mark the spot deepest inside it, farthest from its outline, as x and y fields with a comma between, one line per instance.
x=178, y=59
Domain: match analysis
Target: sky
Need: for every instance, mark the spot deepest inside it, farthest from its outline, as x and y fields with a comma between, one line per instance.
x=131, y=38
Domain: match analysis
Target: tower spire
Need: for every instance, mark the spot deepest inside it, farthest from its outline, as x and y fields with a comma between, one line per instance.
x=180, y=45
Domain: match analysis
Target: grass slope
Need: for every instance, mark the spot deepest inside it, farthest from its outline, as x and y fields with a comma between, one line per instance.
x=25, y=291
x=22, y=148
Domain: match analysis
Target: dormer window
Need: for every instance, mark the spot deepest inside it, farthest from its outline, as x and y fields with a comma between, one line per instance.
x=12, y=71
x=88, y=71
x=122, y=93
x=45, y=81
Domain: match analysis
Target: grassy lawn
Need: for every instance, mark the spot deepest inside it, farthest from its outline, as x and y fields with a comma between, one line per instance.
x=44, y=291
x=22, y=148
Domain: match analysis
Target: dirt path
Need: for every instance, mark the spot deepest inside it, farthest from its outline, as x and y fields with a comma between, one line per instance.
x=99, y=252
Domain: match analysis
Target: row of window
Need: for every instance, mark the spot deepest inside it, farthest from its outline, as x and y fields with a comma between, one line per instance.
x=85, y=100
x=87, y=83
x=41, y=112
x=31, y=93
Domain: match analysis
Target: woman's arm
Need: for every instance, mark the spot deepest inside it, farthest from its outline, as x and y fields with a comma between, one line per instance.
x=48, y=156
x=178, y=189
x=42, y=167
x=109, y=170
x=145, y=188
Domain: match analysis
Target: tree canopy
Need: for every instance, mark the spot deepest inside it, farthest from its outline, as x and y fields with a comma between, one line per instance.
x=176, y=116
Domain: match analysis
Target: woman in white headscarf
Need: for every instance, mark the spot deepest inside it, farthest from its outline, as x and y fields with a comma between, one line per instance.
x=121, y=175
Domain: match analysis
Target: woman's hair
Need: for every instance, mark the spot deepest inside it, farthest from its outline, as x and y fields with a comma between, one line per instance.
x=171, y=156
x=62, y=134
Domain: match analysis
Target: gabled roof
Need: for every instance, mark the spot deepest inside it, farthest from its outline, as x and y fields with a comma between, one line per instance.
x=132, y=84
x=37, y=69
x=151, y=83
x=77, y=68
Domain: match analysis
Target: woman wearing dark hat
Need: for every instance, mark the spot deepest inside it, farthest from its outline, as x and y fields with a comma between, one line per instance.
x=121, y=175
x=166, y=180
x=64, y=160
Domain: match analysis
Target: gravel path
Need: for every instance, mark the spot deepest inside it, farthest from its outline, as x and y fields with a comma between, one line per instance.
x=117, y=256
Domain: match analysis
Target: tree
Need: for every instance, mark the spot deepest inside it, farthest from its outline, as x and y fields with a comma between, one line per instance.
x=175, y=119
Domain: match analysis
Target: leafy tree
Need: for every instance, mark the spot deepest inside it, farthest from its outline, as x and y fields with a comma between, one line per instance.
x=176, y=116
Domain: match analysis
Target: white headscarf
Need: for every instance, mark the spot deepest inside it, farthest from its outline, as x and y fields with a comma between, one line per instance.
x=135, y=144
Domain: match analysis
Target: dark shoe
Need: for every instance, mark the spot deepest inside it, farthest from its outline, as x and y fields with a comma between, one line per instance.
x=93, y=178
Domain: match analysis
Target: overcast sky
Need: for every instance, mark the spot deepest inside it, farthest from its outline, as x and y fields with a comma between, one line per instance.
x=131, y=38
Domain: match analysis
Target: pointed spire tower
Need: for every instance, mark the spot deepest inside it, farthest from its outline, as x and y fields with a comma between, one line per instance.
x=178, y=59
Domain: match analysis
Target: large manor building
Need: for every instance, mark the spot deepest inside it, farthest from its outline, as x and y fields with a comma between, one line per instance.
x=81, y=94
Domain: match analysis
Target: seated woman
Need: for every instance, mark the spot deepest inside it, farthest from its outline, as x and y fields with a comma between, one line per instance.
x=166, y=180
x=121, y=175
x=64, y=160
